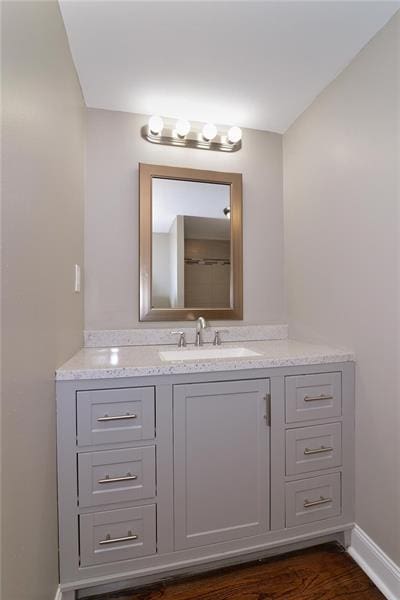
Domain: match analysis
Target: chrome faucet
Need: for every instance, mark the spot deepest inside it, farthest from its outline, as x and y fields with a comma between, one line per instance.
x=200, y=324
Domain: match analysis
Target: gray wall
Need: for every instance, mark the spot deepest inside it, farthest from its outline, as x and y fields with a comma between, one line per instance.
x=114, y=149
x=42, y=236
x=341, y=203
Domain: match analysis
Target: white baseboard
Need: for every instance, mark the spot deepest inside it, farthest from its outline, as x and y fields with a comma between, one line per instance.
x=375, y=563
x=58, y=595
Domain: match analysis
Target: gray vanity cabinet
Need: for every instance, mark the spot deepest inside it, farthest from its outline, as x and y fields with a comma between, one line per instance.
x=165, y=474
x=221, y=461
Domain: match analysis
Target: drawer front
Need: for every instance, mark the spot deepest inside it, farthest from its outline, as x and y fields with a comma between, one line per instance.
x=310, y=397
x=114, y=535
x=110, y=416
x=313, y=499
x=313, y=448
x=116, y=476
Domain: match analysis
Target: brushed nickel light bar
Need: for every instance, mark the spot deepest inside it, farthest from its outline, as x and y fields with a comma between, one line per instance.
x=182, y=133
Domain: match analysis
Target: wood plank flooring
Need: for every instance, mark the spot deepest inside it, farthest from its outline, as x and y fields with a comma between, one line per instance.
x=320, y=573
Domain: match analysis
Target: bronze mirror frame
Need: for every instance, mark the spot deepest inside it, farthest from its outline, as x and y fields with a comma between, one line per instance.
x=234, y=180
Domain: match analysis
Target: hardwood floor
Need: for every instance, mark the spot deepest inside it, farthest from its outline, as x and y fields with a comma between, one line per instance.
x=320, y=573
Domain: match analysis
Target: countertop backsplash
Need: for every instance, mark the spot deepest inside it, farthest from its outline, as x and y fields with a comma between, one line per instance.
x=156, y=337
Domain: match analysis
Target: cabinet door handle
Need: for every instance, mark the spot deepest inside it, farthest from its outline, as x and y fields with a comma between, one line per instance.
x=110, y=540
x=321, y=450
x=322, y=500
x=116, y=418
x=267, y=415
x=127, y=477
x=316, y=398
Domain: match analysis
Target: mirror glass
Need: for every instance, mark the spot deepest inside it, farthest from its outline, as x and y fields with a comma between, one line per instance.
x=191, y=244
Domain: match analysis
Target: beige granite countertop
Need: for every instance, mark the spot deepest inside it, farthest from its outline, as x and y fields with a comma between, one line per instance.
x=135, y=361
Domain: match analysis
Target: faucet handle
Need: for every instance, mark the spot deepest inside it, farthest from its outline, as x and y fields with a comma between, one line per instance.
x=182, y=338
x=201, y=323
x=217, y=337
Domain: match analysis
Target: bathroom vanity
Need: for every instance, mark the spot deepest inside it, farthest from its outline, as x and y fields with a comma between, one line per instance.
x=168, y=467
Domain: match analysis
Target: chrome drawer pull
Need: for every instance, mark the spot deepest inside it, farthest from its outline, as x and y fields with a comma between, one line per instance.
x=117, y=417
x=322, y=500
x=321, y=450
x=316, y=398
x=108, y=479
x=109, y=540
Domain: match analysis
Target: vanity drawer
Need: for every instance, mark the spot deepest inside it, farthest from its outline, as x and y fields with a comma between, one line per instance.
x=117, y=535
x=120, y=415
x=310, y=397
x=116, y=476
x=313, y=448
x=313, y=499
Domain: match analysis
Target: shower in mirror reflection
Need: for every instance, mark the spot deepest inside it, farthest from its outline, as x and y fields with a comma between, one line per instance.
x=191, y=244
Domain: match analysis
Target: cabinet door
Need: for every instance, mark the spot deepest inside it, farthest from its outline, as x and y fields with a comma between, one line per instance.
x=221, y=461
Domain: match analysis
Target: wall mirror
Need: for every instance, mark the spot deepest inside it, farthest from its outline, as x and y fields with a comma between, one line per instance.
x=190, y=244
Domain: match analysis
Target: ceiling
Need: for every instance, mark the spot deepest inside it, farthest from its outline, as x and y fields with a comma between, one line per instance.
x=254, y=64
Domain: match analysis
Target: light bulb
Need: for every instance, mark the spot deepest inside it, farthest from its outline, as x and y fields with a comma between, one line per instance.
x=182, y=127
x=156, y=124
x=209, y=132
x=234, y=135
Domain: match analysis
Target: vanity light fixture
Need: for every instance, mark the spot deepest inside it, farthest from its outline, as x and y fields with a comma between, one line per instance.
x=156, y=125
x=182, y=128
x=234, y=135
x=180, y=132
x=209, y=132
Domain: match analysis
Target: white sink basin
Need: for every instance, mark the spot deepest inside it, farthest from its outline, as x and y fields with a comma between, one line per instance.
x=200, y=353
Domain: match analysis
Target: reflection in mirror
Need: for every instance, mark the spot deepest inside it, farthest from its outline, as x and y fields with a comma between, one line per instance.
x=191, y=244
